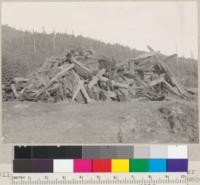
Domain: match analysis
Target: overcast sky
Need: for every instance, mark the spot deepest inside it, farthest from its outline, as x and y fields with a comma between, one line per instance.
x=166, y=26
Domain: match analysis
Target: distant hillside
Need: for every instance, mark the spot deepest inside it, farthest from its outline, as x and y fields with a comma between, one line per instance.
x=23, y=52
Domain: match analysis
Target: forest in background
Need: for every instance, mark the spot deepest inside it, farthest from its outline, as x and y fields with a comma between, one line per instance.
x=24, y=51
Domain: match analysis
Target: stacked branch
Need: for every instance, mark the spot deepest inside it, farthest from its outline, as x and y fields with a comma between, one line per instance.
x=83, y=77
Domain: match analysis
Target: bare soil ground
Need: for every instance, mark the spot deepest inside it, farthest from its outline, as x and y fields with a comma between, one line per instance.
x=137, y=121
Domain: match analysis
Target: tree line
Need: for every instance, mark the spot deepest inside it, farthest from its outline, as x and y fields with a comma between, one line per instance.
x=24, y=51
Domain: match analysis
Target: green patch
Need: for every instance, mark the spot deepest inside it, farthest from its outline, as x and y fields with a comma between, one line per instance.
x=139, y=165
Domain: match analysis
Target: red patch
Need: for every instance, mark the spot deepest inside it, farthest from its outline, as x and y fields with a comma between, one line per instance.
x=101, y=165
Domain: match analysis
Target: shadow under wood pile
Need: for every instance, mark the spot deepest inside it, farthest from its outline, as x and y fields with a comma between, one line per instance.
x=83, y=77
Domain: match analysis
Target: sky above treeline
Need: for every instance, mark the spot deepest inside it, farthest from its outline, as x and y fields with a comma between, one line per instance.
x=170, y=27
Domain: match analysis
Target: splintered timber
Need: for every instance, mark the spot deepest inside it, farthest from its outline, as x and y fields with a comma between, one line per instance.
x=83, y=77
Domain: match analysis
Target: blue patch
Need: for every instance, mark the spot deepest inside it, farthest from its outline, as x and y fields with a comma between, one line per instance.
x=157, y=165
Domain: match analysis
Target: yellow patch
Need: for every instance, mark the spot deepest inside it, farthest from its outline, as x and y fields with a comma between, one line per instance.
x=120, y=165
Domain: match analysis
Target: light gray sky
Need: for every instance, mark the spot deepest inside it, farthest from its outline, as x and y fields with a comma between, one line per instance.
x=166, y=26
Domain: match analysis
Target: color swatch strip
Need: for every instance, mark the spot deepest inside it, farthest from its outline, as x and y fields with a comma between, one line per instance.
x=137, y=158
x=99, y=165
x=102, y=152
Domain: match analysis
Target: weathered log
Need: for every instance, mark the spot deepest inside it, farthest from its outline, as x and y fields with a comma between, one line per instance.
x=191, y=90
x=111, y=94
x=81, y=69
x=18, y=79
x=88, y=99
x=93, y=92
x=118, y=84
x=157, y=81
x=59, y=75
x=121, y=64
x=81, y=88
x=114, y=83
x=78, y=88
x=144, y=84
x=14, y=91
x=42, y=77
x=170, y=57
x=170, y=74
x=123, y=94
x=62, y=73
x=145, y=56
x=140, y=57
x=96, y=78
x=173, y=89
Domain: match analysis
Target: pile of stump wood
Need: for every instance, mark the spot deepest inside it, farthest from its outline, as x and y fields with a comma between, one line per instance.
x=83, y=77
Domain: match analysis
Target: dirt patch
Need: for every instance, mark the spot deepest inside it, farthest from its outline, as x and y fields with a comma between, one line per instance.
x=128, y=122
x=181, y=118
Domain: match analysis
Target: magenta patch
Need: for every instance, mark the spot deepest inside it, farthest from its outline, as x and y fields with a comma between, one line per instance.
x=82, y=165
